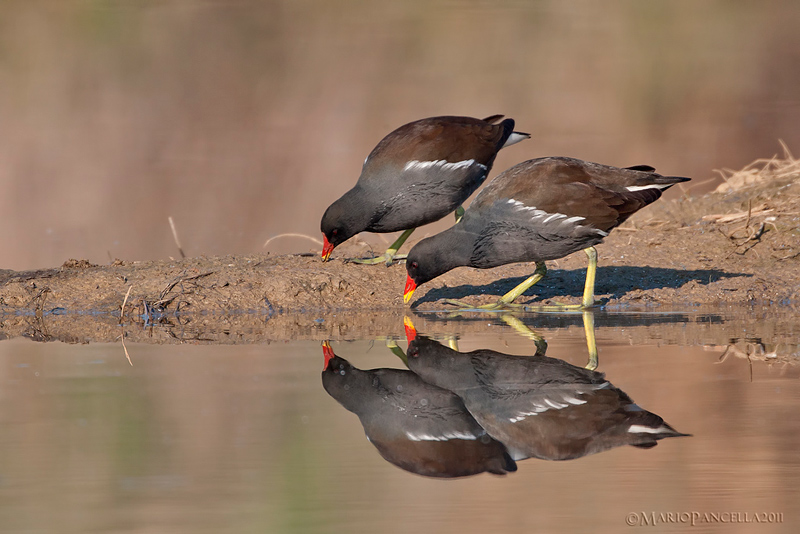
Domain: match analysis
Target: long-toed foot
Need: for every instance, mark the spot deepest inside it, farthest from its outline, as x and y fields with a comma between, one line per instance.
x=390, y=255
x=493, y=306
x=500, y=306
x=506, y=302
x=386, y=258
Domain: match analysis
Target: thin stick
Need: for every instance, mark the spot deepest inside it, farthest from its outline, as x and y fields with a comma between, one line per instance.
x=122, y=311
x=317, y=241
x=121, y=315
x=126, y=349
x=175, y=236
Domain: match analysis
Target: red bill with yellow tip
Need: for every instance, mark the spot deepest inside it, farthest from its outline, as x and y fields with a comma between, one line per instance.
x=411, y=285
x=327, y=248
x=327, y=353
x=411, y=332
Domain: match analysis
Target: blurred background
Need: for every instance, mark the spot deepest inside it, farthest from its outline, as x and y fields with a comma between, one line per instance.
x=244, y=119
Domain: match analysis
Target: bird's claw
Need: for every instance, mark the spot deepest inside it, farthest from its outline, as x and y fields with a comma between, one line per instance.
x=388, y=259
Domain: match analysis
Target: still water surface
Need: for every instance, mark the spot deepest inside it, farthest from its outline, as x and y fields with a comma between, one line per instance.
x=244, y=438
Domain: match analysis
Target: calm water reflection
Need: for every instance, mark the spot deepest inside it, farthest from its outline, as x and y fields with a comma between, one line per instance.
x=209, y=438
x=444, y=417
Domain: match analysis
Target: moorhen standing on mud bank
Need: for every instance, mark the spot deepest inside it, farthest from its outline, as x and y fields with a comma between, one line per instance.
x=542, y=209
x=416, y=175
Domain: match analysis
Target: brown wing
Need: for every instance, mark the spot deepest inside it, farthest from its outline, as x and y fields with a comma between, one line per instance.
x=575, y=188
x=451, y=139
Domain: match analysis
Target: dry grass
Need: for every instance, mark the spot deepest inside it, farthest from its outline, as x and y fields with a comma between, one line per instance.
x=762, y=197
x=761, y=171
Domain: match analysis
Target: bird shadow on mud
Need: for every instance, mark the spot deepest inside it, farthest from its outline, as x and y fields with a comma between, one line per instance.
x=612, y=282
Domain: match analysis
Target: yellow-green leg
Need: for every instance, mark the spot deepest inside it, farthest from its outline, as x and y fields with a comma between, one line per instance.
x=507, y=300
x=521, y=329
x=588, y=289
x=511, y=296
x=391, y=253
x=591, y=342
x=591, y=273
x=397, y=351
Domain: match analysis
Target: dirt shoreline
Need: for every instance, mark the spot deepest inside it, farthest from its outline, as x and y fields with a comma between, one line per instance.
x=738, y=248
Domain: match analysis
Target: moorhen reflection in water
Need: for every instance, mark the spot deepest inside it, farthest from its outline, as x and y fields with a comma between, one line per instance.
x=413, y=424
x=538, y=407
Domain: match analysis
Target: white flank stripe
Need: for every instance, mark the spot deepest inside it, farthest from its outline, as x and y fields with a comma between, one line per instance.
x=554, y=216
x=538, y=214
x=442, y=164
x=444, y=437
x=649, y=186
x=554, y=404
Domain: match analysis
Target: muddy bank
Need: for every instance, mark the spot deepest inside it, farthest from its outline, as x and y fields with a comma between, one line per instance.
x=647, y=261
x=739, y=247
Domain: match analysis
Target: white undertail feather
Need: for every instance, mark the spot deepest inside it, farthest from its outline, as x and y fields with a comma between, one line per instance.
x=443, y=164
x=640, y=429
x=648, y=186
x=515, y=138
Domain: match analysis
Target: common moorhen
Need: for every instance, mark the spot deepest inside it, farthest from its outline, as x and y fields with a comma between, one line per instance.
x=542, y=209
x=538, y=407
x=416, y=175
x=414, y=425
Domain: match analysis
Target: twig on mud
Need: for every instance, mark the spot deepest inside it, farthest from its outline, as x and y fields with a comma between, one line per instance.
x=180, y=279
x=787, y=257
x=163, y=301
x=751, y=234
x=733, y=217
x=39, y=301
x=122, y=310
x=175, y=236
x=121, y=316
x=315, y=240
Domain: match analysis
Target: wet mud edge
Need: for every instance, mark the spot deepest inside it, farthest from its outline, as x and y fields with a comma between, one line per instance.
x=648, y=263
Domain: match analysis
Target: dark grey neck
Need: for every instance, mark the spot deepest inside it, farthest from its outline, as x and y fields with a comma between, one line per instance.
x=444, y=252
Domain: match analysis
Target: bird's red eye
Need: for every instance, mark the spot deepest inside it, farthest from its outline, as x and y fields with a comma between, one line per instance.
x=334, y=231
x=414, y=265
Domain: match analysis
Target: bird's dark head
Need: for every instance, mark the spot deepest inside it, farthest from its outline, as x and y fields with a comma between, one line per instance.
x=342, y=381
x=428, y=259
x=338, y=225
x=431, y=360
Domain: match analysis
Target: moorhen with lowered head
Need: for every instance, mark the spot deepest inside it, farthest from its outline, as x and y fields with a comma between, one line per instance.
x=416, y=175
x=542, y=209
